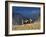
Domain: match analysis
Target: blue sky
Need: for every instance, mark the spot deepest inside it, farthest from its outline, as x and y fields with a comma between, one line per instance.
x=26, y=11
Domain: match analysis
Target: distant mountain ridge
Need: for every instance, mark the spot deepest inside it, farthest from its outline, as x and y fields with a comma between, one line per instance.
x=33, y=16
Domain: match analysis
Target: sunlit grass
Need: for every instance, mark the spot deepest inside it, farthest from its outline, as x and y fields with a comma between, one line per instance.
x=35, y=25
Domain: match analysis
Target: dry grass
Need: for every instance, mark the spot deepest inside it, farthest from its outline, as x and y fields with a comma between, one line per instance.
x=31, y=26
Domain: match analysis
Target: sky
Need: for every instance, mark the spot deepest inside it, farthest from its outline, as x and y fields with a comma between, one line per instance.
x=26, y=11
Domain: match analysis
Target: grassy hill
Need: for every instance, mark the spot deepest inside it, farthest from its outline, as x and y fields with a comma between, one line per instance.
x=31, y=26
